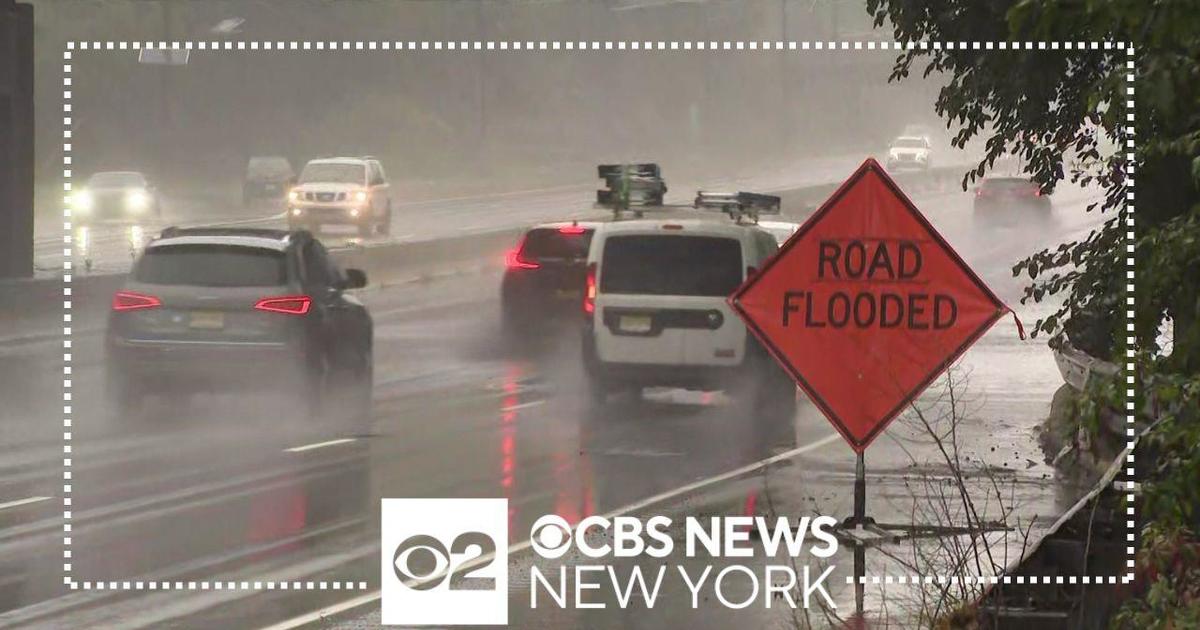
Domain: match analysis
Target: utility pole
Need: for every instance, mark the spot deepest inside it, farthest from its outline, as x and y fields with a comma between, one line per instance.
x=16, y=139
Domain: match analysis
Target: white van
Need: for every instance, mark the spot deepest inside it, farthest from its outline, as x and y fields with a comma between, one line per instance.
x=656, y=310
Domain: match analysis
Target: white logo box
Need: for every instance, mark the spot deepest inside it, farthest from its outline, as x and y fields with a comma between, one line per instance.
x=469, y=583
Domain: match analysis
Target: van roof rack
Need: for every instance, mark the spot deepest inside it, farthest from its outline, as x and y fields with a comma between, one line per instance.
x=630, y=187
x=738, y=205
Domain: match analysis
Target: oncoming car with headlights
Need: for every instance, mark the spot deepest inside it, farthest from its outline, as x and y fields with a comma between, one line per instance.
x=117, y=197
x=910, y=152
x=215, y=310
x=341, y=191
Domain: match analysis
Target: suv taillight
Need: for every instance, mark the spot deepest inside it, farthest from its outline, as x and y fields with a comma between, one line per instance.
x=286, y=304
x=589, y=292
x=514, y=258
x=131, y=301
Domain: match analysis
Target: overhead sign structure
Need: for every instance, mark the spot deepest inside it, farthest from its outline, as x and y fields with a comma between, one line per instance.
x=866, y=304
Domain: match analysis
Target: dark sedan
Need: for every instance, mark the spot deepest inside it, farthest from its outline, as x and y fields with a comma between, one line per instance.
x=1005, y=198
x=544, y=276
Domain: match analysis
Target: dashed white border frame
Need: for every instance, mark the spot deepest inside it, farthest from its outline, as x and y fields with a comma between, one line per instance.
x=589, y=45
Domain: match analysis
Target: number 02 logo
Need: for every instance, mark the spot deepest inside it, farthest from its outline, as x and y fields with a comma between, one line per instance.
x=423, y=563
x=444, y=562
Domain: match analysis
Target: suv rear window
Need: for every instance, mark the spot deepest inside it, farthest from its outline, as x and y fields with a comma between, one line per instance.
x=554, y=243
x=212, y=266
x=671, y=265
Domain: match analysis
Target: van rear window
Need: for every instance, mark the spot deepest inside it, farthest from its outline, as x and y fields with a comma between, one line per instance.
x=671, y=265
x=212, y=266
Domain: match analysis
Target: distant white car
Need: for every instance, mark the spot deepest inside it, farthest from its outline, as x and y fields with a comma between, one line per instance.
x=341, y=191
x=910, y=152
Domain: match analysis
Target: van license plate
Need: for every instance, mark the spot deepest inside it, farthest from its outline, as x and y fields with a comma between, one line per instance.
x=635, y=323
x=207, y=320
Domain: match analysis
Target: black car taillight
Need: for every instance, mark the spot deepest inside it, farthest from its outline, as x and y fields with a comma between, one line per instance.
x=515, y=258
x=131, y=301
x=286, y=304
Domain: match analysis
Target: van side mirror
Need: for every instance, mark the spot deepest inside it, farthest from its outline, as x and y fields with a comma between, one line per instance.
x=355, y=279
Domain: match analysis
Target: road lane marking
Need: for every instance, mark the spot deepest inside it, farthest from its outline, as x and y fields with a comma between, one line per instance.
x=362, y=600
x=524, y=405
x=26, y=501
x=317, y=445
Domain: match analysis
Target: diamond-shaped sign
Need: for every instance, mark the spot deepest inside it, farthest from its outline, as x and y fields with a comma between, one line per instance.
x=866, y=304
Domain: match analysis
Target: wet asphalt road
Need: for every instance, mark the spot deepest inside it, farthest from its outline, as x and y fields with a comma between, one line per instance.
x=223, y=489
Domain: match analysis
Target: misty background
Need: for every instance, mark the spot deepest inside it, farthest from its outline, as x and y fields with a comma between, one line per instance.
x=449, y=122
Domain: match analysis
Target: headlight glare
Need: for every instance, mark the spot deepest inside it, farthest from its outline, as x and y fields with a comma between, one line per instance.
x=137, y=200
x=82, y=201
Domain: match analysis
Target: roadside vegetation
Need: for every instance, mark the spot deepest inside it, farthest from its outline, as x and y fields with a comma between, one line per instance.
x=1064, y=114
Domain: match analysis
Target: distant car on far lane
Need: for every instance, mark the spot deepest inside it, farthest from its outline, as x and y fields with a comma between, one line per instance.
x=116, y=197
x=268, y=179
x=544, y=276
x=1003, y=198
x=910, y=152
x=342, y=191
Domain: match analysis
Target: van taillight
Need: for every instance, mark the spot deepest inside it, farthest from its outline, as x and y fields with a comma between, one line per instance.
x=131, y=301
x=286, y=304
x=589, y=292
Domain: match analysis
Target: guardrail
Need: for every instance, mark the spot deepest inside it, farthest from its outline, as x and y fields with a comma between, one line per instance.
x=26, y=301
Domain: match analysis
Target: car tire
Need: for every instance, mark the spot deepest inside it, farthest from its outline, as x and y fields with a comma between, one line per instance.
x=598, y=389
x=361, y=404
x=313, y=392
x=385, y=226
x=775, y=400
x=125, y=399
x=515, y=325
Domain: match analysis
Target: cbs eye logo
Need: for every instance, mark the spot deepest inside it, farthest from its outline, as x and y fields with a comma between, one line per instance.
x=550, y=536
x=444, y=562
x=423, y=563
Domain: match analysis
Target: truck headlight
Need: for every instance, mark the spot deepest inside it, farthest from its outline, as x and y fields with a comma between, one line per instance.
x=293, y=195
x=137, y=200
x=354, y=212
x=296, y=212
x=360, y=196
